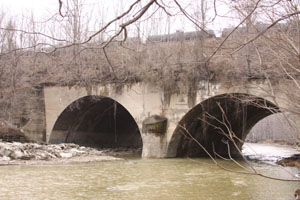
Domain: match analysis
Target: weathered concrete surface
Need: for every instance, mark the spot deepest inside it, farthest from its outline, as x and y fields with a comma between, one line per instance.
x=144, y=100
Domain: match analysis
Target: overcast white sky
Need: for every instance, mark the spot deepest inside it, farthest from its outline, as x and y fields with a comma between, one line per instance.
x=38, y=7
x=43, y=9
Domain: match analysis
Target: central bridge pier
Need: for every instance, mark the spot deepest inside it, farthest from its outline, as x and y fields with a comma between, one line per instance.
x=161, y=124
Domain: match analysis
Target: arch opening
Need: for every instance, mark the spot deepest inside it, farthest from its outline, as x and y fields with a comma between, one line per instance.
x=276, y=128
x=219, y=124
x=99, y=122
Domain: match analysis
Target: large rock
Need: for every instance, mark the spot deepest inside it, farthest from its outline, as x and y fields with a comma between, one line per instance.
x=6, y=152
x=17, y=154
x=66, y=155
x=5, y=158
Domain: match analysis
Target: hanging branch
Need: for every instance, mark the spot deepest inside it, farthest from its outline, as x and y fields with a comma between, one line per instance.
x=248, y=171
x=60, y=4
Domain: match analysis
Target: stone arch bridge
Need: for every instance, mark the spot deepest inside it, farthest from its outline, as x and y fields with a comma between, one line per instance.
x=161, y=123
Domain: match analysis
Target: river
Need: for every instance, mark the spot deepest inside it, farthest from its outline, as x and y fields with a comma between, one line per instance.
x=145, y=179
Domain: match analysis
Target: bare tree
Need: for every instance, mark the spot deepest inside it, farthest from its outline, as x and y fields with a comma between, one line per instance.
x=78, y=53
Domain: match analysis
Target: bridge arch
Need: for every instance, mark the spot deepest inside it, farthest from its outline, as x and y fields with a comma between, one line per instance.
x=97, y=121
x=211, y=121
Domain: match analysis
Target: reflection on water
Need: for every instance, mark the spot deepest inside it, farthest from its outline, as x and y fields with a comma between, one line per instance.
x=142, y=179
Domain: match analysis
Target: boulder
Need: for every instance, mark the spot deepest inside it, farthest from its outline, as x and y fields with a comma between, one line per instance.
x=65, y=155
x=5, y=158
x=17, y=154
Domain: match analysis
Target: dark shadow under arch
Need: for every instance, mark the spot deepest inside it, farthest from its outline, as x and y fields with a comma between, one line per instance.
x=97, y=121
x=211, y=121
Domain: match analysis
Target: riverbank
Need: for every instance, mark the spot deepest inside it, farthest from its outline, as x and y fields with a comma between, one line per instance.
x=16, y=153
x=293, y=161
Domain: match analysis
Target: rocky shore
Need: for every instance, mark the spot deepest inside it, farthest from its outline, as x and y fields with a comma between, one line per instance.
x=16, y=153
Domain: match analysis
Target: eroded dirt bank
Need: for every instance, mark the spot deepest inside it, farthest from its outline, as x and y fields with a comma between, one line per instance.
x=293, y=161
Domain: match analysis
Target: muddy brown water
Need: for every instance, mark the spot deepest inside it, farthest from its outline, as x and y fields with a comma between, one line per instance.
x=136, y=178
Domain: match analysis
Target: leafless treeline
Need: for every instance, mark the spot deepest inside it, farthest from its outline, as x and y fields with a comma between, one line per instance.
x=83, y=46
x=68, y=48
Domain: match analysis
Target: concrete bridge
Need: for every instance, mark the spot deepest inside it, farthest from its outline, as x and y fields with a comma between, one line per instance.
x=113, y=116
